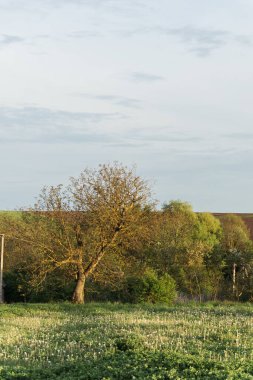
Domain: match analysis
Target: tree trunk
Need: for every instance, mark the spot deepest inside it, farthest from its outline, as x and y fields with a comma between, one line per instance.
x=78, y=295
x=234, y=279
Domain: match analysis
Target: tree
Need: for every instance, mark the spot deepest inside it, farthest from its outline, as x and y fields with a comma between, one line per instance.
x=183, y=239
x=74, y=228
x=236, y=248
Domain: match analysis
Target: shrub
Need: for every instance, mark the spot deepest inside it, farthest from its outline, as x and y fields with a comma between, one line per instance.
x=18, y=288
x=151, y=288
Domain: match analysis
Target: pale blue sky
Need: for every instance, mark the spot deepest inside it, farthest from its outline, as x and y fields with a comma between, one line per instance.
x=166, y=85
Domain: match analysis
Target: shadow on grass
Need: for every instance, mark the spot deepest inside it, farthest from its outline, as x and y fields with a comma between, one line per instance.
x=131, y=364
x=106, y=307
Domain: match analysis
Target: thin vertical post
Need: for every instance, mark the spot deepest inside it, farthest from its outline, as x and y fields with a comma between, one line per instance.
x=234, y=279
x=1, y=269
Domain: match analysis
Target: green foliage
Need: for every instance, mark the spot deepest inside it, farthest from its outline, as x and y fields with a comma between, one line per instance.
x=182, y=241
x=208, y=230
x=235, y=233
x=236, y=254
x=151, y=288
x=17, y=287
x=138, y=365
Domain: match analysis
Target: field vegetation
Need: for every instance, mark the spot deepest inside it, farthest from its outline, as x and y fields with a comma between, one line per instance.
x=116, y=341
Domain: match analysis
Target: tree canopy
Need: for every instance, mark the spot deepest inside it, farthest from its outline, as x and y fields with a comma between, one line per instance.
x=74, y=227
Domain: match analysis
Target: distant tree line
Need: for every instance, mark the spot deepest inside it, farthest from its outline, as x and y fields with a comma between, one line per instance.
x=101, y=237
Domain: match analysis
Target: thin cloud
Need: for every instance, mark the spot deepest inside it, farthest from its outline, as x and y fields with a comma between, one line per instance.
x=141, y=77
x=34, y=124
x=128, y=6
x=43, y=125
x=114, y=99
x=82, y=34
x=238, y=136
x=7, y=39
x=200, y=41
x=136, y=138
x=163, y=134
x=123, y=6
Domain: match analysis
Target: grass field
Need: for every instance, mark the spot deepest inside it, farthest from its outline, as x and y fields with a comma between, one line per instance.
x=112, y=341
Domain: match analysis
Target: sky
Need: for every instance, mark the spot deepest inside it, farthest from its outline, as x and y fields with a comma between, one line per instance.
x=164, y=85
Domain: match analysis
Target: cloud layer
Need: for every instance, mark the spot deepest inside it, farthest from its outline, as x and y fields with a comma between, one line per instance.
x=43, y=125
x=160, y=83
x=6, y=39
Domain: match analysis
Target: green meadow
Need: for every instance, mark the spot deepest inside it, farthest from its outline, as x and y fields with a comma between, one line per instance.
x=116, y=341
